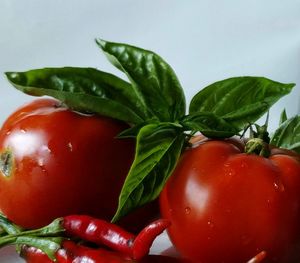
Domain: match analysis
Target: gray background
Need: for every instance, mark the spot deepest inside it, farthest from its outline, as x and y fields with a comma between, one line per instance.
x=203, y=40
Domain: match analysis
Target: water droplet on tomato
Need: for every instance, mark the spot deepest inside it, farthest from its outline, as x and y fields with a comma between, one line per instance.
x=210, y=224
x=243, y=165
x=70, y=146
x=231, y=173
x=187, y=210
x=279, y=186
x=41, y=162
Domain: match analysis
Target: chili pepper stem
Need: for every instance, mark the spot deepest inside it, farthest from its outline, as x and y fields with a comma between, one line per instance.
x=53, y=229
x=44, y=238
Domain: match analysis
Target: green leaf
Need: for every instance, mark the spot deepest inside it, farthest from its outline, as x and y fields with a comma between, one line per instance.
x=288, y=135
x=153, y=79
x=208, y=124
x=283, y=117
x=157, y=151
x=83, y=89
x=240, y=100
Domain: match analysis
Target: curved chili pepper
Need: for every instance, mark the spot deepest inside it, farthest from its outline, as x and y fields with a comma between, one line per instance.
x=104, y=233
x=143, y=241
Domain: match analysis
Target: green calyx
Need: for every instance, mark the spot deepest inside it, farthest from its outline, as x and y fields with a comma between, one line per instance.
x=257, y=146
x=259, y=140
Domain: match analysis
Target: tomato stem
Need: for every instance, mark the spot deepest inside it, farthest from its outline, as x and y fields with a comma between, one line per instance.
x=6, y=162
x=257, y=146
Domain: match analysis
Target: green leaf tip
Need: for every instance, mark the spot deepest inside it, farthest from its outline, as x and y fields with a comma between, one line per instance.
x=14, y=77
x=100, y=42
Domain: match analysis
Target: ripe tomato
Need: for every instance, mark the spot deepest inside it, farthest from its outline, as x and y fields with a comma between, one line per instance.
x=56, y=162
x=227, y=206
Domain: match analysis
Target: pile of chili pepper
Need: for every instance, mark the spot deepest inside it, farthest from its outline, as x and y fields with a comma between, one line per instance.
x=81, y=238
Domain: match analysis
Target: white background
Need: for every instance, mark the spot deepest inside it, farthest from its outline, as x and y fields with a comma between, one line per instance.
x=203, y=40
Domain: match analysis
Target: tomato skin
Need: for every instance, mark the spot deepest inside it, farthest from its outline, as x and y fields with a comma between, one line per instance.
x=227, y=206
x=63, y=163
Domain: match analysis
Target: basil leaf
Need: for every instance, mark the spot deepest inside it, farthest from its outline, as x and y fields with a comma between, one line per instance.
x=283, y=117
x=209, y=124
x=83, y=89
x=154, y=80
x=240, y=100
x=157, y=151
x=288, y=135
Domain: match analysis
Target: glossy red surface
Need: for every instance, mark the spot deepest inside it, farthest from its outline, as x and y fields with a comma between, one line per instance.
x=227, y=206
x=62, y=162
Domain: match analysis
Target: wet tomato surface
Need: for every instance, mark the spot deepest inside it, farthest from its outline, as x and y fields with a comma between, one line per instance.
x=228, y=206
x=56, y=162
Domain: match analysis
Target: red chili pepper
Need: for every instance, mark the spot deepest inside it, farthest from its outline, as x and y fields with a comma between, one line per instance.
x=143, y=241
x=34, y=255
x=104, y=233
x=99, y=232
x=74, y=253
x=71, y=252
x=50, y=238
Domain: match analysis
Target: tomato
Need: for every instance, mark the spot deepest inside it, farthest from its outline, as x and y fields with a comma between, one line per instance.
x=228, y=206
x=56, y=162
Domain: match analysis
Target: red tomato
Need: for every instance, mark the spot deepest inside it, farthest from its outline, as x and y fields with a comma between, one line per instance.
x=56, y=162
x=227, y=206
